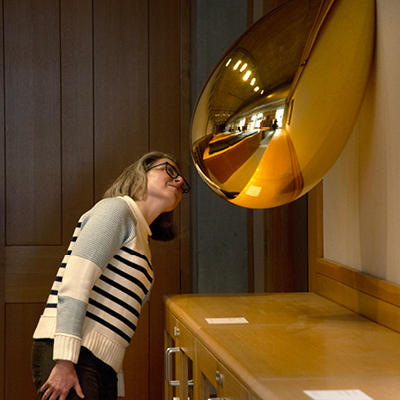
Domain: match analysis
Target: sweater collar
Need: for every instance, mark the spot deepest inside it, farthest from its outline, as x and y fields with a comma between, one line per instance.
x=138, y=214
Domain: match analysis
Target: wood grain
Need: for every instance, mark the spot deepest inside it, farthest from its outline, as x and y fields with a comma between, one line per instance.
x=33, y=137
x=77, y=78
x=293, y=342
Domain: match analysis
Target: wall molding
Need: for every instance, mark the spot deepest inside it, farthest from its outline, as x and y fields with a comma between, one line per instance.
x=366, y=295
x=374, y=298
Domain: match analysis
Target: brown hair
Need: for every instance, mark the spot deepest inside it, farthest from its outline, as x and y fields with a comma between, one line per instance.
x=133, y=183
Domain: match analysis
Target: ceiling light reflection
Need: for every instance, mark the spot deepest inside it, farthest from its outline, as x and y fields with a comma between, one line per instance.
x=244, y=66
x=237, y=65
x=247, y=75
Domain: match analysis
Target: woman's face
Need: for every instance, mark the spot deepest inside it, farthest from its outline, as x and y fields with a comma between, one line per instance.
x=162, y=186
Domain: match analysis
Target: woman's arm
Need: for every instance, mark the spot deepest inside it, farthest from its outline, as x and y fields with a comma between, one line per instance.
x=103, y=232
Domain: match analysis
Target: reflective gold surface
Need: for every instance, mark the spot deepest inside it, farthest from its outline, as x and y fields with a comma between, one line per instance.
x=278, y=109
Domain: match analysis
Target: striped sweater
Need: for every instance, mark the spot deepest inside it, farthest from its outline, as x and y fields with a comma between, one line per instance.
x=102, y=284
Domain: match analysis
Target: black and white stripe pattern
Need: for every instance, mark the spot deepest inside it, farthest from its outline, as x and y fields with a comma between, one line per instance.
x=102, y=283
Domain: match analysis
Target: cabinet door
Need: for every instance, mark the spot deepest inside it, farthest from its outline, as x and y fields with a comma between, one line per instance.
x=229, y=387
x=186, y=344
x=215, y=379
x=205, y=373
x=180, y=355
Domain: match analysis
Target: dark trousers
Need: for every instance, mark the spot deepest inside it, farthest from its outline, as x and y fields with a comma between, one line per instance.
x=97, y=379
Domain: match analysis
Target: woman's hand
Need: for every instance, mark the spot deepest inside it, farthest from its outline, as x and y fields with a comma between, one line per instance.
x=62, y=378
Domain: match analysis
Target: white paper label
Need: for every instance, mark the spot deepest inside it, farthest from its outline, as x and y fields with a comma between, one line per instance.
x=253, y=191
x=337, y=395
x=239, y=320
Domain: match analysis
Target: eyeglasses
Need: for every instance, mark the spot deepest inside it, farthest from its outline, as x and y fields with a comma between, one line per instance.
x=173, y=173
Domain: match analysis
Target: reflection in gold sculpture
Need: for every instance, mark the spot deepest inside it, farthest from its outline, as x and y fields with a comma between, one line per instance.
x=225, y=153
x=278, y=109
x=279, y=171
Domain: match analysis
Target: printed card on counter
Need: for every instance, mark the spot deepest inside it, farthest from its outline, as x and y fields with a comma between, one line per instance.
x=337, y=395
x=237, y=320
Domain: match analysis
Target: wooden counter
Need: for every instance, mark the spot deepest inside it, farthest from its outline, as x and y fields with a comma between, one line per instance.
x=291, y=343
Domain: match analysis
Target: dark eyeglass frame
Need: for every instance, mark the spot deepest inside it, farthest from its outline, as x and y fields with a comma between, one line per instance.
x=185, y=186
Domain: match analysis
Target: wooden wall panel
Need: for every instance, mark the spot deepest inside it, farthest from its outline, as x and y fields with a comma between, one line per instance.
x=32, y=93
x=315, y=233
x=279, y=272
x=2, y=211
x=77, y=94
x=30, y=272
x=165, y=259
x=384, y=290
x=76, y=111
x=137, y=360
x=120, y=87
x=185, y=140
x=164, y=81
x=366, y=295
x=20, y=319
x=166, y=125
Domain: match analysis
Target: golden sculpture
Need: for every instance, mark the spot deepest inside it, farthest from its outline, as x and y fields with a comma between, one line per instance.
x=280, y=106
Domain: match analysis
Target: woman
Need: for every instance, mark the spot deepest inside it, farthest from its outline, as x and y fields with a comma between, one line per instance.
x=103, y=282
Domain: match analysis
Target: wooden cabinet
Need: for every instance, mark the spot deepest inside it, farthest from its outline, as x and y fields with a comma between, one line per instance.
x=189, y=361
x=230, y=387
x=275, y=347
x=179, y=359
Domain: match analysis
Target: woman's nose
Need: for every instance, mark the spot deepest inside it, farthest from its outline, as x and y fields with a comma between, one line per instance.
x=179, y=179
